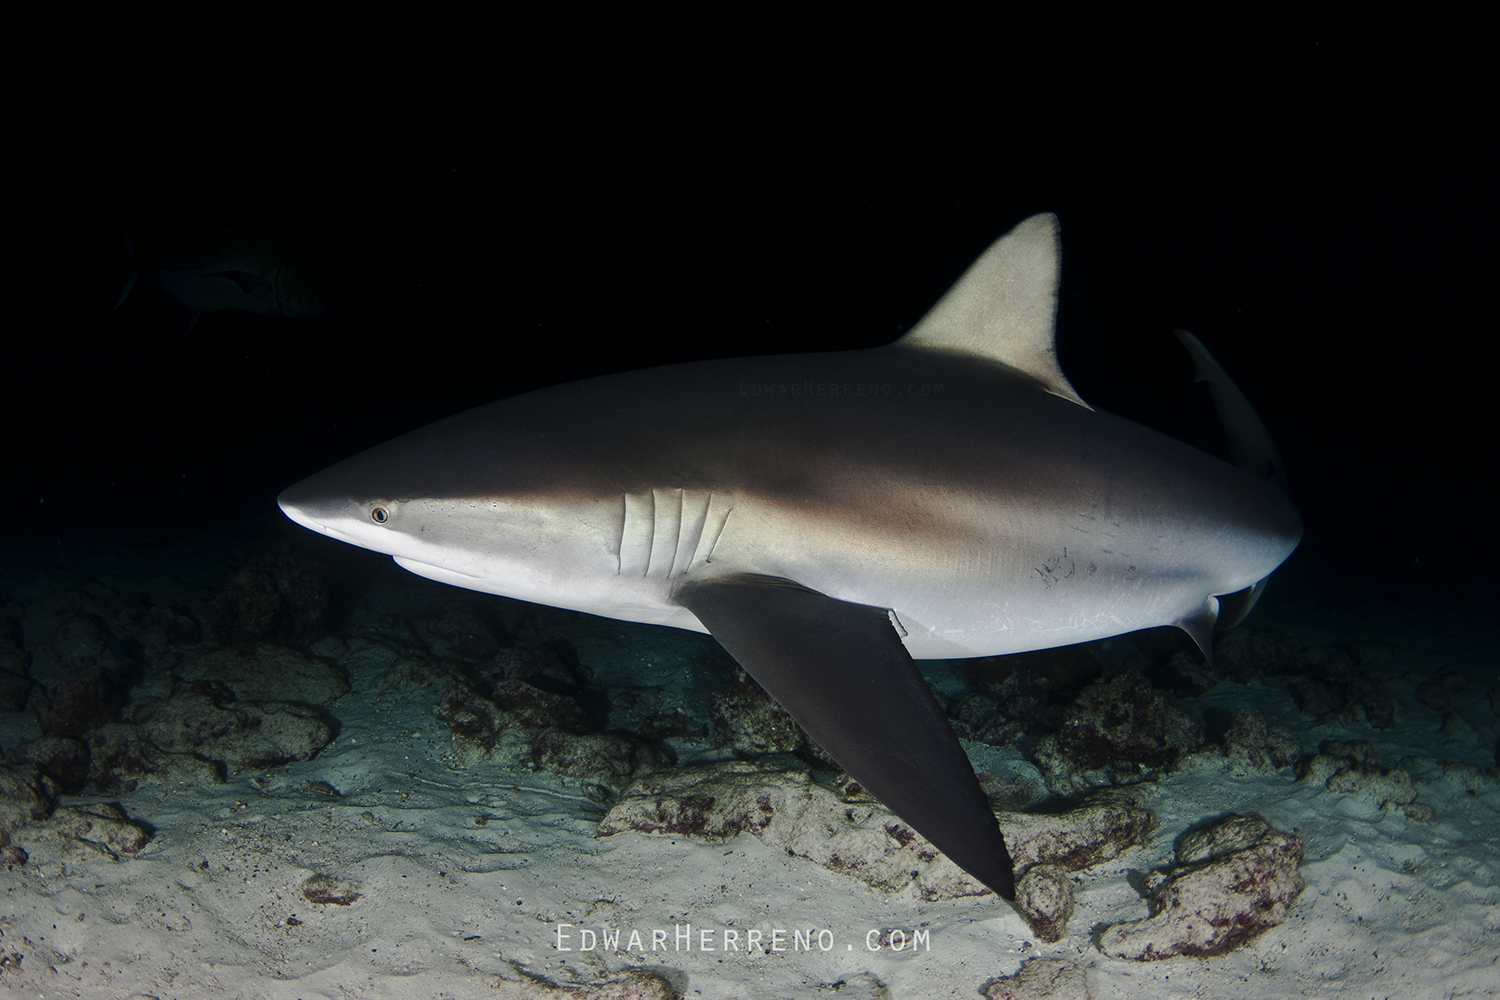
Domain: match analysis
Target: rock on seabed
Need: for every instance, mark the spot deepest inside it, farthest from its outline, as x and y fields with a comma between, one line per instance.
x=1042, y=979
x=1232, y=881
x=1116, y=732
x=855, y=834
x=632, y=984
x=1352, y=768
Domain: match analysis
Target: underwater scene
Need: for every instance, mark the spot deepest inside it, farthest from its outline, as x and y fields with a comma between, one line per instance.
x=433, y=575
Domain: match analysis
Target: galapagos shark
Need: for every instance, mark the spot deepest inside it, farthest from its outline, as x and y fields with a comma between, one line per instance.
x=830, y=517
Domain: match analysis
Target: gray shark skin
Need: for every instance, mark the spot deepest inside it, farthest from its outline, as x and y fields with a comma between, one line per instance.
x=829, y=517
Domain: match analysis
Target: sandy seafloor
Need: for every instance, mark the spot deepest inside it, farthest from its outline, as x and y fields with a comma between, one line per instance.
x=451, y=908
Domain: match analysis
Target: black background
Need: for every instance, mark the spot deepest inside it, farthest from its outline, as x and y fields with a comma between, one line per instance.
x=1329, y=240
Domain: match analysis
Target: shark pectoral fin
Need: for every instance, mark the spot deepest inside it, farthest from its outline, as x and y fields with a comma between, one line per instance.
x=1199, y=623
x=841, y=671
x=1234, y=607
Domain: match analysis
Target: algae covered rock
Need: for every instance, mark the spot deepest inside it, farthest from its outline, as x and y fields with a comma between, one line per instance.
x=1233, y=834
x=539, y=708
x=29, y=815
x=281, y=599
x=1185, y=676
x=328, y=891
x=453, y=632
x=1335, y=693
x=1041, y=979
x=1044, y=895
x=119, y=756
x=654, y=713
x=63, y=759
x=1025, y=692
x=101, y=830
x=15, y=661
x=267, y=672
x=1102, y=827
x=90, y=696
x=1232, y=881
x=476, y=725
x=24, y=796
x=13, y=655
x=1249, y=746
x=237, y=733
x=1442, y=694
x=601, y=758
x=15, y=688
x=1352, y=768
x=177, y=627
x=1260, y=747
x=853, y=833
x=1244, y=654
x=631, y=984
x=750, y=723
x=80, y=642
x=541, y=729
x=1117, y=731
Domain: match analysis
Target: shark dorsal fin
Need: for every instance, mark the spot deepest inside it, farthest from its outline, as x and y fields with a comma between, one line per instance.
x=1005, y=307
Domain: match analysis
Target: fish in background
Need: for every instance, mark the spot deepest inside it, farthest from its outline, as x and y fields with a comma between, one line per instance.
x=231, y=270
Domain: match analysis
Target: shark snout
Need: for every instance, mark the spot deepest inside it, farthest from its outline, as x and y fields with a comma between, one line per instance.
x=294, y=503
x=320, y=504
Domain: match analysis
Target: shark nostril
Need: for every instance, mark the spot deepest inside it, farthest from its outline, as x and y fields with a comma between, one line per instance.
x=379, y=514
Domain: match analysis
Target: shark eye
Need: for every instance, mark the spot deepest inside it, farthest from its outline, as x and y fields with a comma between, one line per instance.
x=379, y=514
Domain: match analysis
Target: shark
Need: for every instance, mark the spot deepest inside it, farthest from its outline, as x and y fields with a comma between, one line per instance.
x=830, y=518
x=231, y=270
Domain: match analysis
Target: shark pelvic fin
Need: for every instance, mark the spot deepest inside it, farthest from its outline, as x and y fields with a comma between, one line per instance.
x=1199, y=623
x=1250, y=443
x=841, y=671
x=1004, y=308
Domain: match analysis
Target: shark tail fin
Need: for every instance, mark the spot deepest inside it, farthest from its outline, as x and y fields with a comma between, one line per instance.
x=1250, y=442
x=1004, y=308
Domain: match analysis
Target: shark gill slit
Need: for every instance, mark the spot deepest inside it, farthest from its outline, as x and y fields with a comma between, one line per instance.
x=717, y=508
x=636, y=533
x=669, y=532
x=690, y=529
x=666, y=529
